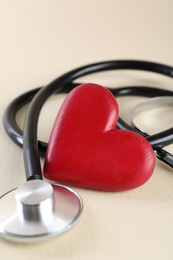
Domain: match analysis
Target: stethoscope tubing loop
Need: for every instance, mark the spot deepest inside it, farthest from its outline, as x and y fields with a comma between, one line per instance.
x=64, y=83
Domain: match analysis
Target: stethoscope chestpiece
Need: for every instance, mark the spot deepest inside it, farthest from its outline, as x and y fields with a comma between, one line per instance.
x=38, y=211
x=148, y=105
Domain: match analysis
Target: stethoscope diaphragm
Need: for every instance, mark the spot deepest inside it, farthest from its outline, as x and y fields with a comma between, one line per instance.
x=153, y=113
x=37, y=211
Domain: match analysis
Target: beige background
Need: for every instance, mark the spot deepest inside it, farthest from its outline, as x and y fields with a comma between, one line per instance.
x=41, y=39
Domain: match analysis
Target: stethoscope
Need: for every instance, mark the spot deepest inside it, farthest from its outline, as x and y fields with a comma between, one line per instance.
x=40, y=209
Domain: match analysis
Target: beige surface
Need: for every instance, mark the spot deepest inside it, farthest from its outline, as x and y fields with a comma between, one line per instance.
x=40, y=40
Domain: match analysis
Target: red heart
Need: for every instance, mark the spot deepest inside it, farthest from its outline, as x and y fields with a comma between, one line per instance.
x=86, y=150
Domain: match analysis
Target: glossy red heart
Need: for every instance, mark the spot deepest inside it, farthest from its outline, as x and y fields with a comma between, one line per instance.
x=86, y=150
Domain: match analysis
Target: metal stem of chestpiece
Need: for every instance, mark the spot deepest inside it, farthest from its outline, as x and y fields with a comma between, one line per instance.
x=35, y=202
